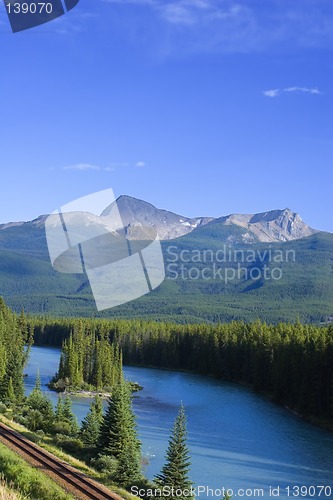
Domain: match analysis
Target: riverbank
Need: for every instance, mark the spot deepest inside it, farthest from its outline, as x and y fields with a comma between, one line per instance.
x=84, y=393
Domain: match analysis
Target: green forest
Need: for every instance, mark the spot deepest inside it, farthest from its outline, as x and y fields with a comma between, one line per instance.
x=292, y=363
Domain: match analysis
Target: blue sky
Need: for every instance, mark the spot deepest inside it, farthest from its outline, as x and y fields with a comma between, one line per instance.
x=202, y=107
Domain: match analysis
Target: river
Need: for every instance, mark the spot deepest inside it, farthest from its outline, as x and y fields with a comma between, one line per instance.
x=237, y=438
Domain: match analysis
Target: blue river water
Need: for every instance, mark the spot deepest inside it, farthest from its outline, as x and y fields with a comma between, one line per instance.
x=238, y=439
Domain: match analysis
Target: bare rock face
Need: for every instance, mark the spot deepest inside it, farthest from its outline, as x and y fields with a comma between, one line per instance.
x=137, y=214
x=272, y=226
x=282, y=225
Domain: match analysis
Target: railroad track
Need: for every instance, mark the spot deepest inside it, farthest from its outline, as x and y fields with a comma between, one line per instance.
x=79, y=482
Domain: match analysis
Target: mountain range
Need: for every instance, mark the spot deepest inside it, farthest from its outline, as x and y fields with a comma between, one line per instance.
x=272, y=226
x=303, y=291
x=269, y=227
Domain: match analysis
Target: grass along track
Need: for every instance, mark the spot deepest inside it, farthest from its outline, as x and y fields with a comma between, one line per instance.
x=79, y=484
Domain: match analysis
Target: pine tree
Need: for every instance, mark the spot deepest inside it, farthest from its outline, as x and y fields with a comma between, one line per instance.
x=41, y=414
x=69, y=416
x=12, y=356
x=91, y=425
x=10, y=391
x=98, y=407
x=119, y=438
x=27, y=334
x=175, y=471
x=36, y=394
x=59, y=411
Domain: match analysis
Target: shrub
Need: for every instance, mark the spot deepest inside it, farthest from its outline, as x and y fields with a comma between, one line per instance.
x=71, y=444
x=3, y=408
x=20, y=419
x=63, y=428
x=105, y=464
x=40, y=434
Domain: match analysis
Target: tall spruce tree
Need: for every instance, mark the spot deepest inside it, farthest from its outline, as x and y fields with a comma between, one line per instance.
x=11, y=398
x=59, y=411
x=175, y=472
x=91, y=425
x=119, y=438
x=40, y=414
x=98, y=407
x=65, y=421
x=69, y=416
x=12, y=356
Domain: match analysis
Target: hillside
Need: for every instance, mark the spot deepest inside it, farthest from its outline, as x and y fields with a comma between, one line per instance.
x=300, y=288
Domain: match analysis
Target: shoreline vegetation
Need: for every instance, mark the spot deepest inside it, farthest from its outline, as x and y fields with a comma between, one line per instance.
x=290, y=363
x=85, y=393
x=90, y=365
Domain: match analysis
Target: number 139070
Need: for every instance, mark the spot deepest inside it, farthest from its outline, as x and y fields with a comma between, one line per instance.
x=29, y=8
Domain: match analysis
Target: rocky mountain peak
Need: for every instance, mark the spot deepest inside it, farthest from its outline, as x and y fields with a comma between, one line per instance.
x=168, y=225
x=271, y=226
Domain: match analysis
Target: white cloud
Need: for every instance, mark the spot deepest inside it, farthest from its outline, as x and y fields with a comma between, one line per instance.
x=198, y=12
x=85, y=167
x=302, y=89
x=82, y=167
x=298, y=90
x=272, y=93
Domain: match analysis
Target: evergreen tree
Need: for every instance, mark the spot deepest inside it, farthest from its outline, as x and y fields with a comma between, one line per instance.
x=59, y=411
x=12, y=356
x=98, y=407
x=69, y=416
x=10, y=391
x=91, y=425
x=65, y=420
x=27, y=334
x=36, y=393
x=176, y=469
x=40, y=414
x=118, y=437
